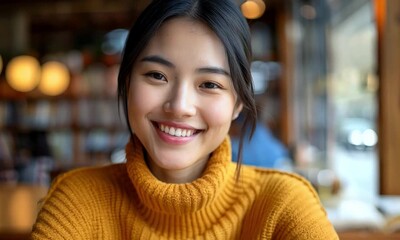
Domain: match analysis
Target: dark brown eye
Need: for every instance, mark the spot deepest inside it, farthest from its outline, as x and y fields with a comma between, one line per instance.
x=209, y=85
x=157, y=76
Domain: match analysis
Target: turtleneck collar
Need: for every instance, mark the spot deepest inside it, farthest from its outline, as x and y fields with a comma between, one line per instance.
x=171, y=198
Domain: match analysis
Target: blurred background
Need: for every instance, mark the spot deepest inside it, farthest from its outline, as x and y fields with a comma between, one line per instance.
x=326, y=77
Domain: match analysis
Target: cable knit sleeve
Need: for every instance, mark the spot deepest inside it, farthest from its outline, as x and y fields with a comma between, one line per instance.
x=64, y=214
x=301, y=215
x=290, y=208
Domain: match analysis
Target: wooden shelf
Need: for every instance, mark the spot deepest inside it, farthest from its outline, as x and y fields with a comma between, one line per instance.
x=77, y=124
x=368, y=235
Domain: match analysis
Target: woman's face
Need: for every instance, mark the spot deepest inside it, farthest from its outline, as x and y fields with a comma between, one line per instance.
x=181, y=99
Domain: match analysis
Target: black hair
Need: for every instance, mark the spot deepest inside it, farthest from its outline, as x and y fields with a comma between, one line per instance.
x=224, y=18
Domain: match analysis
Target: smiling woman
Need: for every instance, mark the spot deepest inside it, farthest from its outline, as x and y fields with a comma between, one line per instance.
x=176, y=88
x=184, y=76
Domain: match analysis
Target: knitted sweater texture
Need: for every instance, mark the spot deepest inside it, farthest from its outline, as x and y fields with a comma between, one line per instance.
x=126, y=201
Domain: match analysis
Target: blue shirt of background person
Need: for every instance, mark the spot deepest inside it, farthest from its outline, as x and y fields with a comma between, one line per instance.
x=263, y=150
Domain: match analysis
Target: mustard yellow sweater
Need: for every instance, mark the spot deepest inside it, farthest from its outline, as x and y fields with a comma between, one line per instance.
x=126, y=201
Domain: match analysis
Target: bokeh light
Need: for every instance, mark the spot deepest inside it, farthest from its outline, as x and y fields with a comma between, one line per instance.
x=55, y=78
x=23, y=73
x=253, y=9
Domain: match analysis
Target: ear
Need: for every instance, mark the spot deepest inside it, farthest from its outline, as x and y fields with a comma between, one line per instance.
x=237, y=110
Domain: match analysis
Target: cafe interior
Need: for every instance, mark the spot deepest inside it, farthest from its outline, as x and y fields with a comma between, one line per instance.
x=326, y=77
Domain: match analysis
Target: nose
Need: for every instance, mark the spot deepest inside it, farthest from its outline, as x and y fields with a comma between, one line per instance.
x=180, y=102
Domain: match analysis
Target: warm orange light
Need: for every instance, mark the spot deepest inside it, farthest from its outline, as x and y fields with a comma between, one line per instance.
x=261, y=5
x=380, y=15
x=23, y=73
x=253, y=9
x=1, y=63
x=21, y=209
x=55, y=78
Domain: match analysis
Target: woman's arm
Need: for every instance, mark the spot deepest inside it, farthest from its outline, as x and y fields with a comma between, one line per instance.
x=64, y=213
x=301, y=215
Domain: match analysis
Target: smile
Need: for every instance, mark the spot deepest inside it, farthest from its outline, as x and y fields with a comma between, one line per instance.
x=175, y=131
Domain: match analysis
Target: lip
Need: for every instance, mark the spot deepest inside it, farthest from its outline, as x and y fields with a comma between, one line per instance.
x=176, y=125
x=173, y=139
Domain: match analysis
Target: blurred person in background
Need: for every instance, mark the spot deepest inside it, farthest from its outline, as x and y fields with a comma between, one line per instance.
x=184, y=76
x=263, y=149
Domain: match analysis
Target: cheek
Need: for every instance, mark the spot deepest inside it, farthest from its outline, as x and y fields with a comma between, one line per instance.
x=219, y=113
x=139, y=103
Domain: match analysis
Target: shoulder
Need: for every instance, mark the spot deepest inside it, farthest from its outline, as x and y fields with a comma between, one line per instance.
x=76, y=199
x=91, y=175
x=288, y=207
x=88, y=181
x=284, y=186
x=101, y=172
x=282, y=177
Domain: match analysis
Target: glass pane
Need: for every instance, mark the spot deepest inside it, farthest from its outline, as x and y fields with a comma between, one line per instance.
x=335, y=94
x=353, y=87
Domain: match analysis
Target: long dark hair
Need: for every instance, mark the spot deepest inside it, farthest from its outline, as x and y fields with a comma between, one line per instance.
x=225, y=19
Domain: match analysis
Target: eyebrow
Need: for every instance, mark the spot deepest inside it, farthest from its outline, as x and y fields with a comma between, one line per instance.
x=158, y=59
x=165, y=62
x=216, y=70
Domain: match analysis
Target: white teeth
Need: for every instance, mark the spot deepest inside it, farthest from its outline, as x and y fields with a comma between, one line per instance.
x=171, y=131
x=178, y=132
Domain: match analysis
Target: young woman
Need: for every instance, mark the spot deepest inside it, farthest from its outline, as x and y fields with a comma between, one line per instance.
x=184, y=77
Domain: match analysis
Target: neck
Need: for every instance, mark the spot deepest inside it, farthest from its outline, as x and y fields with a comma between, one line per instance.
x=185, y=175
x=216, y=173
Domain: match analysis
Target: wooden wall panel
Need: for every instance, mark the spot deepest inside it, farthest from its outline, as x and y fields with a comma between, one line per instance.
x=388, y=24
x=286, y=52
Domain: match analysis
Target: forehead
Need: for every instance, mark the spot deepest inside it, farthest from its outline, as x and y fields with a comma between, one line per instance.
x=185, y=23
x=183, y=37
